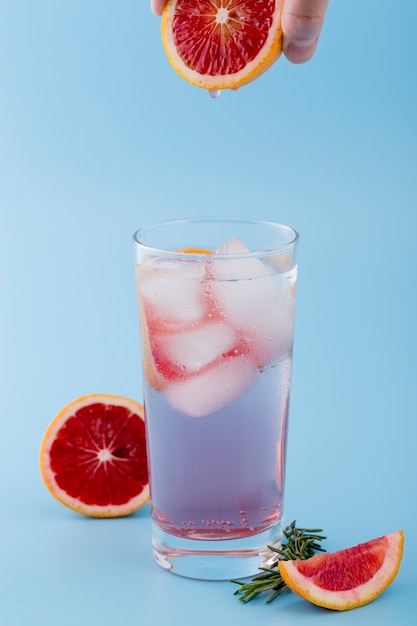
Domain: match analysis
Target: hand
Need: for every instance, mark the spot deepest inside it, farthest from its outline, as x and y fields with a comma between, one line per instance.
x=302, y=21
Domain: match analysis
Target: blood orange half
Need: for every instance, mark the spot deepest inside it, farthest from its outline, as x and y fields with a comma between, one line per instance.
x=221, y=44
x=349, y=578
x=93, y=456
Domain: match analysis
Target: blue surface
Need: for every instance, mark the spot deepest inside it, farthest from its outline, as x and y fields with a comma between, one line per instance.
x=99, y=136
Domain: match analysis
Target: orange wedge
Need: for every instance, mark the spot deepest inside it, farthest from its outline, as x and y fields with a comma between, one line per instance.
x=349, y=578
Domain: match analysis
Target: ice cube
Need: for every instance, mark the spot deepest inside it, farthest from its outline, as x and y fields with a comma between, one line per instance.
x=214, y=388
x=242, y=287
x=272, y=334
x=255, y=300
x=241, y=267
x=280, y=262
x=241, y=301
x=172, y=295
x=186, y=352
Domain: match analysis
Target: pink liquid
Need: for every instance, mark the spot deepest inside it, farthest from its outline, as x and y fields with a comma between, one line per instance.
x=217, y=339
x=220, y=476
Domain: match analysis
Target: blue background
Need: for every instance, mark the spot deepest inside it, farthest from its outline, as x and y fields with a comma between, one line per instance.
x=99, y=136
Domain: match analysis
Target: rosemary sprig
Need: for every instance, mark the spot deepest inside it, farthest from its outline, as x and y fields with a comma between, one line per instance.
x=301, y=543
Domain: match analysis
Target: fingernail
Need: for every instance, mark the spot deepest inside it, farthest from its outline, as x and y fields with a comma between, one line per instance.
x=300, y=51
x=302, y=43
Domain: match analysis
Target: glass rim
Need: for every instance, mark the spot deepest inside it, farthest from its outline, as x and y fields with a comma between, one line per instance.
x=161, y=252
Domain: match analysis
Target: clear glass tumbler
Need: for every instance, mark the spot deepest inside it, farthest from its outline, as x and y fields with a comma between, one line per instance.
x=216, y=301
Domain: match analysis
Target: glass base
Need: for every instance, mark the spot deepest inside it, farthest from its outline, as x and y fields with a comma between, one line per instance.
x=215, y=560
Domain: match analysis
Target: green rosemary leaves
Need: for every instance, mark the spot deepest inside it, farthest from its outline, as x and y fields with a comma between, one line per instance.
x=300, y=543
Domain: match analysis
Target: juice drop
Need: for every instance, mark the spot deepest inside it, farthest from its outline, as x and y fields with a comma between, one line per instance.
x=214, y=93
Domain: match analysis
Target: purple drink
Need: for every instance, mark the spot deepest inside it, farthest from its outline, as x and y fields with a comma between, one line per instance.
x=217, y=331
x=220, y=476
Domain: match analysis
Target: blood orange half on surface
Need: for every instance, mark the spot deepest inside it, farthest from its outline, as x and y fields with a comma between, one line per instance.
x=349, y=578
x=221, y=44
x=93, y=456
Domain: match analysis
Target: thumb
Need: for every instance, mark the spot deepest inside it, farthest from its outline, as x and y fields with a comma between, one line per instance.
x=157, y=6
x=302, y=22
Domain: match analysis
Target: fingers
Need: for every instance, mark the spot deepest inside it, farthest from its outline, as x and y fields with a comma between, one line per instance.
x=302, y=21
x=157, y=6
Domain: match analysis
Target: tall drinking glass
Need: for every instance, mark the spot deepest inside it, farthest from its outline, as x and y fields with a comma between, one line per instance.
x=216, y=300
